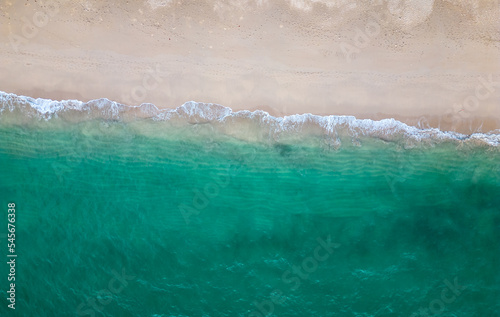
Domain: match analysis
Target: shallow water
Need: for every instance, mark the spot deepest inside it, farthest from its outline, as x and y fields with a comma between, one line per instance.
x=246, y=215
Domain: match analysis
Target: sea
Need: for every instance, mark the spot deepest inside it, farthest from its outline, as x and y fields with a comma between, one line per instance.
x=205, y=211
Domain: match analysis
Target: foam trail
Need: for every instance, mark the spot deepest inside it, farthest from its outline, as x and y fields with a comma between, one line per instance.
x=196, y=113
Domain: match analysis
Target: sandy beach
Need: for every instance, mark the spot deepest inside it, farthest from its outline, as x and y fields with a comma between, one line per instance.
x=426, y=63
x=250, y=158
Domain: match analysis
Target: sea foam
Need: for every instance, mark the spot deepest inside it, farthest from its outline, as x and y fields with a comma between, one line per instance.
x=237, y=123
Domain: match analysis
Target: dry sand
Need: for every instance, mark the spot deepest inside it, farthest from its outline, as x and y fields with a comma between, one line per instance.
x=424, y=62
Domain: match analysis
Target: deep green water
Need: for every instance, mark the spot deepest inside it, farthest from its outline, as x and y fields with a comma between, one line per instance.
x=216, y=226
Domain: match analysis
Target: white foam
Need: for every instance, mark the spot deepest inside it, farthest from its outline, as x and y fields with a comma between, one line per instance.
x=195, y=112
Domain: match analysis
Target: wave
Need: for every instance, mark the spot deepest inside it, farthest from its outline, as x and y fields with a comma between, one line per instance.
x=242, y=124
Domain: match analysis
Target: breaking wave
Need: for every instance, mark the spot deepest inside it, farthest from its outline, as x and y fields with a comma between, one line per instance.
x=244, y=124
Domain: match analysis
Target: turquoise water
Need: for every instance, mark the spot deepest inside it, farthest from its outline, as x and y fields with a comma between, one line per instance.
x=144, y=217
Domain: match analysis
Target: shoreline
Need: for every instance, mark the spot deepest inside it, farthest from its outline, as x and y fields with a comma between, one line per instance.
x=483, y=125
x=230, y=121
x=421, y=65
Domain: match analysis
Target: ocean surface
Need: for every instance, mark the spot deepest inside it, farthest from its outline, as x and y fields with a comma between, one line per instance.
x=201, y=211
